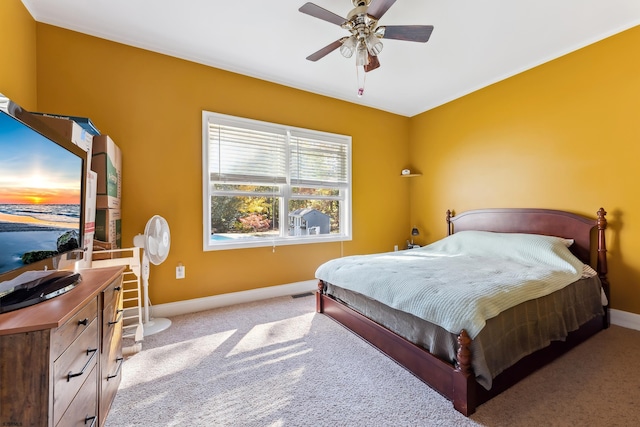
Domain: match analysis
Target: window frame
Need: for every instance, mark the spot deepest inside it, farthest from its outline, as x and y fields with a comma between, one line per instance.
x=284, y=194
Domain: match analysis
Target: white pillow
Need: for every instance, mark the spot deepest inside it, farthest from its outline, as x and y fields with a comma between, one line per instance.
x=567, y=242
x=520, y=247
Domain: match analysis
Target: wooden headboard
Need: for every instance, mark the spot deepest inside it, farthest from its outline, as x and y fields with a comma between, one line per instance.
x=547, y=222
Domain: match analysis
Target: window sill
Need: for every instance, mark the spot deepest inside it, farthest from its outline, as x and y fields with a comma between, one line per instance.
x=267, y=242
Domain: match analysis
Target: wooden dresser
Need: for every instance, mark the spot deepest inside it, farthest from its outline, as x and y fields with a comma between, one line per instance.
x=60, y=360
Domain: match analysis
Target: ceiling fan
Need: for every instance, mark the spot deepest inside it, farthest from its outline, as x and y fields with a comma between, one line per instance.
x=365, y=36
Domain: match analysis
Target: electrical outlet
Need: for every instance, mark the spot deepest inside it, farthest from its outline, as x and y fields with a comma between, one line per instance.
x=180, y=271
x=395, y=248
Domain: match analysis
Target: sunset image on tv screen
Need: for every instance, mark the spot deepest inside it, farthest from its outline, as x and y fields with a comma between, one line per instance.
x=40, y=194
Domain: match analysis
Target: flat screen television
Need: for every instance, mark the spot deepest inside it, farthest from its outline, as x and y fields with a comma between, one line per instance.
x=42, y=199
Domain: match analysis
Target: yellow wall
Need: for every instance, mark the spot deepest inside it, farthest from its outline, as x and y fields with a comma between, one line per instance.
x=564, y=135
x=18, y=53
x=151, y=105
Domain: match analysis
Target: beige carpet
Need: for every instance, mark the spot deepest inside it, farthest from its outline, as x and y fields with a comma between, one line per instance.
x=278, y=363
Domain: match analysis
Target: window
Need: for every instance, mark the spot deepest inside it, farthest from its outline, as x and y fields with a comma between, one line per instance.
x=266, y=184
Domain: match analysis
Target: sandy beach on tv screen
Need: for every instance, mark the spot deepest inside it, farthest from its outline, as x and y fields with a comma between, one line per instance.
x=10, y=222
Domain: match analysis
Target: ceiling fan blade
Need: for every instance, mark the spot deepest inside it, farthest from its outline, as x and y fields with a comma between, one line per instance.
x=325, y=51
x=324, y=14
x=377, y=8
x=412, y=33
x=373, y=63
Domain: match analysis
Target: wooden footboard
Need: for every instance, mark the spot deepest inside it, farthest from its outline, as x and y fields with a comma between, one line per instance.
x=456, y=384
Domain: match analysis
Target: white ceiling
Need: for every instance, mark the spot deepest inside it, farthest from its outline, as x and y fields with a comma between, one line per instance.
x=475, y=43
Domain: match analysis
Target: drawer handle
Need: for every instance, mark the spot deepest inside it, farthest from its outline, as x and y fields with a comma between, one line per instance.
x=93, y=352
x=118, y=319
x=117, y=288
x=84, y=322
x=120, y=361
x=92, y=418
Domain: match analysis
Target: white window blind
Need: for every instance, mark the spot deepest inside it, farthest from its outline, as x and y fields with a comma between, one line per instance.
x=318, y=162
x=246, y=155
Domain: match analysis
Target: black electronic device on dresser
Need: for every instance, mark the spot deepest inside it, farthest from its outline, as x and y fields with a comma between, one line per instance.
x=38, y=290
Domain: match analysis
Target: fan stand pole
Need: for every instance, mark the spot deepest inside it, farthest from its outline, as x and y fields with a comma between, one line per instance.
x=151, y=326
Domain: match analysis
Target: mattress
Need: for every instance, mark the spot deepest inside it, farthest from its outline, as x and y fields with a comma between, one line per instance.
x=463, y=280
x=505, y=339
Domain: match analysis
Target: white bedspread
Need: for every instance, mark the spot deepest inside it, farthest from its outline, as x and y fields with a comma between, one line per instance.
x=462, y=280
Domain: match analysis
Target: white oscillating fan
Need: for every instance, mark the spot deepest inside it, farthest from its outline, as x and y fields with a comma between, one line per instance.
x=155, y=243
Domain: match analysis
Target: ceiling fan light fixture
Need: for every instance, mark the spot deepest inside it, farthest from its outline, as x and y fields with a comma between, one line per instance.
x=374, y=45
x=348, y=47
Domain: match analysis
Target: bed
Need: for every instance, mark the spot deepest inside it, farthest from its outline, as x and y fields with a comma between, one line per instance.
x=473, y=357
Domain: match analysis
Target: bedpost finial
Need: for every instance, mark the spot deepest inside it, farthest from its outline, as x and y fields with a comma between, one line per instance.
x=449, y=224
x=602, y=221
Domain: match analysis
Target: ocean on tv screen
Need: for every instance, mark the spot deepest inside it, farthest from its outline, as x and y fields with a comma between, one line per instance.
x=36, y=230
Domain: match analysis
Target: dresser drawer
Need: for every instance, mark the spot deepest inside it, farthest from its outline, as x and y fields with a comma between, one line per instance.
x=112, y=360
x=72, y=368
x=63, y=336
x=112, y=293
x=83, y=409
x=111, y=372
x=112, y=318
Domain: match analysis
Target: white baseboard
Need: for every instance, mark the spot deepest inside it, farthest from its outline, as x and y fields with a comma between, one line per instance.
x=625, y=319
x=216, y=301
x=618, y=317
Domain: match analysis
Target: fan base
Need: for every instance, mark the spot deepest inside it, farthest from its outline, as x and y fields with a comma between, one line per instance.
x=156, y=325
